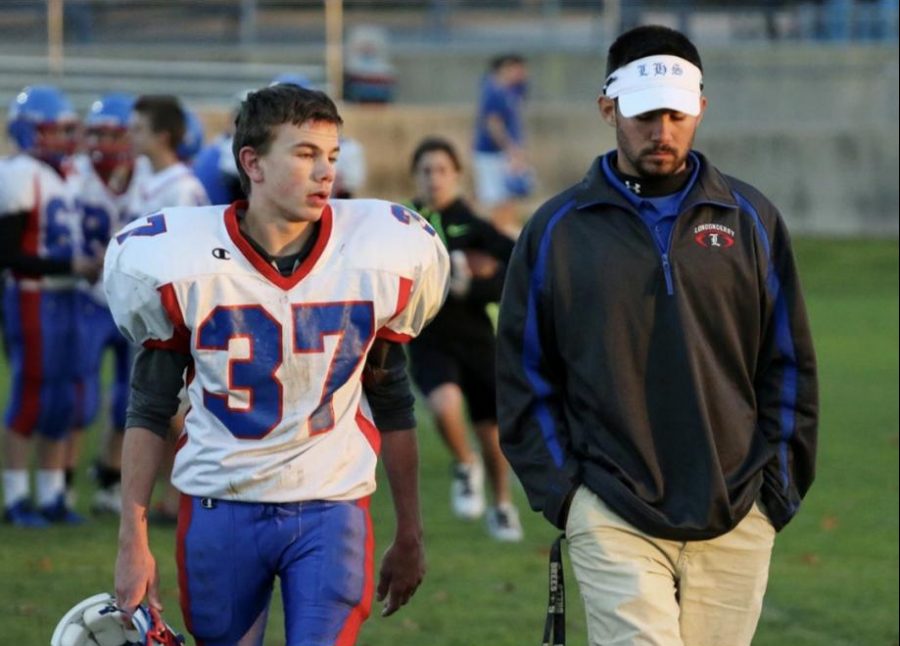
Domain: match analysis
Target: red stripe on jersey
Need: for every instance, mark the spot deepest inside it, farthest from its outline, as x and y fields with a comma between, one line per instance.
x=185, y=512
x=369, y=431
x=180, y=340
x=26, y=418
x=404, y=291
x=360, y=612
x=265, y=268
x=390, y=335
x=181, y=441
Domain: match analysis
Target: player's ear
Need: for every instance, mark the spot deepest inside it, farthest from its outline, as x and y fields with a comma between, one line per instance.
x=703, y=104
x=249, y=160
x=607, y=108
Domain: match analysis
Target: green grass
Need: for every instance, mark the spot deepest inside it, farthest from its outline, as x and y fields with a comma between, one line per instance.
x=834, y=576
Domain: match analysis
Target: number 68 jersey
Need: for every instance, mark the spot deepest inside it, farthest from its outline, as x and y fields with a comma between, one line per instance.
x=277, y=408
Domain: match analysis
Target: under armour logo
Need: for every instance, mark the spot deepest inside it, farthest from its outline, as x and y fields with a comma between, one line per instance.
x=634, y=187
x=221, y=254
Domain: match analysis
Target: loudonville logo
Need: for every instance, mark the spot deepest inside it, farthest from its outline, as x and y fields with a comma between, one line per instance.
x=713, y=235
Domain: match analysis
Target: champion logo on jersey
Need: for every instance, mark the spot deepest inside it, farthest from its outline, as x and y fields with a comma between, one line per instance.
x=221, y=254
x=712, y=236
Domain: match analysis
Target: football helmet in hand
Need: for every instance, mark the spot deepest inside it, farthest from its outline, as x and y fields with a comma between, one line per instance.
x=98, y=621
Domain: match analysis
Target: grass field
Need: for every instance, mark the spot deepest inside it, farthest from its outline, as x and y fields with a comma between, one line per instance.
x=834, y=577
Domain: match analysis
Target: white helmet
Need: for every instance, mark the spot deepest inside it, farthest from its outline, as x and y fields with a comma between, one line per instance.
x=98, y=621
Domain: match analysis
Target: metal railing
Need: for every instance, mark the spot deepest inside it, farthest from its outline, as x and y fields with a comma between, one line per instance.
x=197, y=83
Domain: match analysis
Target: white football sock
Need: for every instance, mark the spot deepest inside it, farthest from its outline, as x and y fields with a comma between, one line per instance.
x=51, y=483
x=15, y=486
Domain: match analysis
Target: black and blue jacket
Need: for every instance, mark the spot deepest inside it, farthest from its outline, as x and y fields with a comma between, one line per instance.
x=677, y=383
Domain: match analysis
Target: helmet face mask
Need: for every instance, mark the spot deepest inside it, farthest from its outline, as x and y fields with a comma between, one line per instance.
x=98, y=620
x=42, y=123
x=106, y=134
x=109, y=149
x=55, y=140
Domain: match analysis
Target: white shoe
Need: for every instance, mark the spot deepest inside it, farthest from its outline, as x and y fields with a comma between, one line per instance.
x=108, y=501
x=503, y=523
x=467, y=490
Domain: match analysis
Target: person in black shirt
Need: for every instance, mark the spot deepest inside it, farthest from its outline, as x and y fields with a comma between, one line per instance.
x=453, y=359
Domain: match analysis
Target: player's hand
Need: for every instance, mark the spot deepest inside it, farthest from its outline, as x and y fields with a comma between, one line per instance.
x=87, y=268
x=136, y=576
x=402, y=570
x=460, y=273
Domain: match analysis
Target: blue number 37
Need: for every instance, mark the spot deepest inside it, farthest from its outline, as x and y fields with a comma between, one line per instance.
x=352, y=322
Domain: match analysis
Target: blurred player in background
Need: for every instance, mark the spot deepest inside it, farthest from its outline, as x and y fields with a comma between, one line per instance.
x=656, y=376
x=277, y=461
x=193, y=139
x=158, y=126
x=453, y=358
x=40, y=248
x=350, y=171
x=500, y=165
x=215, y=167
x=104, y=181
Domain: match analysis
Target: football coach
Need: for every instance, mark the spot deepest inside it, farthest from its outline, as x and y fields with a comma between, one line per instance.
x=656, y=376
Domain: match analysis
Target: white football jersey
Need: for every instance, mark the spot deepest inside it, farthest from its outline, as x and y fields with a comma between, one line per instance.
x=52, y=227
x=173, y=186
x=103, y=212
x=277, y=408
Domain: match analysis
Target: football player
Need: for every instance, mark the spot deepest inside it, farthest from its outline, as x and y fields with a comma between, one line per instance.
x=157, y=126
x=39, y=245
x=215, y=167
x=160, y=130
x=287, y=311
x=104, y=180
x=453, y=359
x=192, y=141
x=350, y=173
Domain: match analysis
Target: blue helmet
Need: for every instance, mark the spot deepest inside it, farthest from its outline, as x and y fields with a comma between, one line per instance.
x=192, y=141
x=113, y=110
x=34, y=106
x=292, y=78
x=106, y=139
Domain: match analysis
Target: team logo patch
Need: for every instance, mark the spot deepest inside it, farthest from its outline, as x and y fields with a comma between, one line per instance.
x=713, y=235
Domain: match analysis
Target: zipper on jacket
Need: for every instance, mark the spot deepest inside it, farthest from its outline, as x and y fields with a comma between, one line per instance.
x=667, y=270
x=664, y=255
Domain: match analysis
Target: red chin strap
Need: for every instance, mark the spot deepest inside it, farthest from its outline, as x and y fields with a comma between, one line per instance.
x=160, y=634
x=105, y=164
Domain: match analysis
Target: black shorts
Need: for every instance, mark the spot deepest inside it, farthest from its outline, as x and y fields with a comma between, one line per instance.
x=472, y=369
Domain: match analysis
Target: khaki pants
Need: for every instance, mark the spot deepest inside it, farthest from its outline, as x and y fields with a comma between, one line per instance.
x=641, y=590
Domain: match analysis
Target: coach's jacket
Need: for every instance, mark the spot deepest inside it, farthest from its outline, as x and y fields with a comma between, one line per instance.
x=678, y=386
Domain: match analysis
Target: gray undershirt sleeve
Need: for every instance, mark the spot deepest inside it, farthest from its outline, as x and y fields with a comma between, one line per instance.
x=157, y=377
x=391, y=398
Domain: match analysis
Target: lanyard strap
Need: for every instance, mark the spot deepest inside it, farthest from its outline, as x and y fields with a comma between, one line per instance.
x=555, y=626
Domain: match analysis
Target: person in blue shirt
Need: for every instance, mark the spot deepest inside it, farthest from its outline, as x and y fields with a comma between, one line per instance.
x=502, y=173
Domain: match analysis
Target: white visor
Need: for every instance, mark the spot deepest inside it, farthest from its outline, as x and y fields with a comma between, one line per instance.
x=656, y=83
